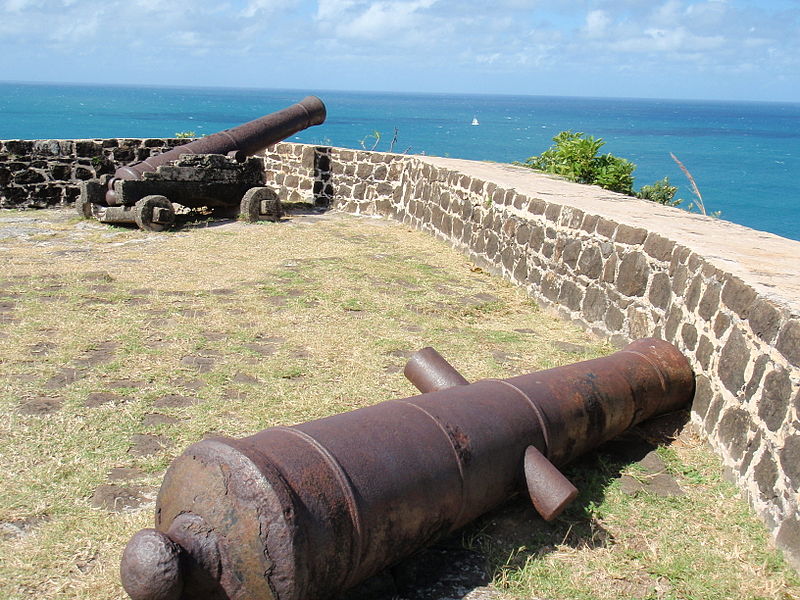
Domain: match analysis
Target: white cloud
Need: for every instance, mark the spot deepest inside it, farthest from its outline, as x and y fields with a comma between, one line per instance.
x=385, y=19
x=331, y=10
x=435, y=39
x=597, y=22
x=19, y=5
x=263, y=7
x=395, y=21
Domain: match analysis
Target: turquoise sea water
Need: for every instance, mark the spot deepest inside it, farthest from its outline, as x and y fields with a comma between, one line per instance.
x=745, y=156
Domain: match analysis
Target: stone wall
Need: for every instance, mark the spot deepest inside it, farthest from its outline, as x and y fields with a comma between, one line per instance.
x=727, y=296
x=41, y=173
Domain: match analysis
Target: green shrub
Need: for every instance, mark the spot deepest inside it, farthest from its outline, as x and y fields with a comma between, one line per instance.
x=576, y=158
x=185, y=134
x=661, y=191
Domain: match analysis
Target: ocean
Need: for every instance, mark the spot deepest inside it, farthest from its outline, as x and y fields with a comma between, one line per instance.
x=744, y=156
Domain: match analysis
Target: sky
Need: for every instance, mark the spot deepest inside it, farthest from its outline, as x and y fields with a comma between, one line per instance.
x=712, y=49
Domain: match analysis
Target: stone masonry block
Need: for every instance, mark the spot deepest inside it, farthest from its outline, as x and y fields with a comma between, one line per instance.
x=790, y=460
x=689, y=335
x=633, y=274
x=760, y=365
x=550, y=286
x=521, y=202
x=615, y=318
x=733, y=361
x=788, y=539
x=571, y=295
x=659, y=247
x=750, y=451
x=693, y=294
x=680, y=277
x=572, y=219
x=721, y=324
x=553, y=212
x=630, y=235
x=18, y=147
x=675, y=318
x=523, y=233
x=738, y=296
x=774, y=402
x=610, y=269
x=764, y=320
x=595, y=304
x=572, y=250
x=590, y=263
x=638, y=322
x=606, y=227
x=766, y=474
x=589, y=223
x=660, y=290
x=703, y=395
x=520, y=272
x=788, y=342
x=709, y=304
x=734, y=427
x=537, y=206
x=705, y=350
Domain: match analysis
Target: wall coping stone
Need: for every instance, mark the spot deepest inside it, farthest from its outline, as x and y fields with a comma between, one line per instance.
x=769, y=263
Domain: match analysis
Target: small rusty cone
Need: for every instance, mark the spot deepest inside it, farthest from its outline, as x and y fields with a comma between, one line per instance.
x=304, y=512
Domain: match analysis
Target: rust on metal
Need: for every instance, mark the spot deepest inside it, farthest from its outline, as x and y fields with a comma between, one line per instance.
x=430, y=372
x=549, y=490
x=243, y=140
x=304, y=512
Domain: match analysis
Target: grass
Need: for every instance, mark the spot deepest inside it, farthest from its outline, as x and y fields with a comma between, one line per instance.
x=612, y=545
x=266, y=324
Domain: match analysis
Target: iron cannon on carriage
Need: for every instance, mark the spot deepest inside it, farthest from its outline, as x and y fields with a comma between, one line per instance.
x=218, y=172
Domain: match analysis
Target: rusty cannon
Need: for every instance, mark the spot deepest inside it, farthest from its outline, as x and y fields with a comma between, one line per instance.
x=307, y=511
x=218, y=172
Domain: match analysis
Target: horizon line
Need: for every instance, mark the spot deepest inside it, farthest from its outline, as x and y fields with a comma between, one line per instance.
x=391, y=92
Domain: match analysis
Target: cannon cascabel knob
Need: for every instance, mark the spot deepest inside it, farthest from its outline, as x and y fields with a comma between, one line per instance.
x=150, y=567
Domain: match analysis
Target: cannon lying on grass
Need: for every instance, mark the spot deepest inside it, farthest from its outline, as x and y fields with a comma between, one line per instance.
x=217, y=172
x=304, y=512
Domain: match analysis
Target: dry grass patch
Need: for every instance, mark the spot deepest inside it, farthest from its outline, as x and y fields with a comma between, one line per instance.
x=121, y=348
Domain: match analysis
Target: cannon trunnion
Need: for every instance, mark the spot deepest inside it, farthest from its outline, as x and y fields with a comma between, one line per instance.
x=217, y=172
x=304, y=512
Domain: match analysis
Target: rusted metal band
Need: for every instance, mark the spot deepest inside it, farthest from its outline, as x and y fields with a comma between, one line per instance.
x=350, y=498
x=539, y=415
x=638, y=409
x=459, y=462
x=649, y=361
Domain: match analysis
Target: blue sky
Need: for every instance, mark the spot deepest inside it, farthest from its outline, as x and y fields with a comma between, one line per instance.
x=715, y=49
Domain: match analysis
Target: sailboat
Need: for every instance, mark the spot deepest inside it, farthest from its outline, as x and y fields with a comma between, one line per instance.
x=475, y=121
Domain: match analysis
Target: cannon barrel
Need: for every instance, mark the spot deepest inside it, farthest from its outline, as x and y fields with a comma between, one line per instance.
x=244, y=140
x=304, y=512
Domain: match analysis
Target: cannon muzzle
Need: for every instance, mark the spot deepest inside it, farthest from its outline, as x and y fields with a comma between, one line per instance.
x=244, y=140
x=304, y=512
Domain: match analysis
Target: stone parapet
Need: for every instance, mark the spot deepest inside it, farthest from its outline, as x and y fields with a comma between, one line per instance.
x=42, y=173
x=726, y=295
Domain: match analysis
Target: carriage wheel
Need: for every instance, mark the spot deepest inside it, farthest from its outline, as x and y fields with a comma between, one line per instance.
x=154, y=213
x=260, y=202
